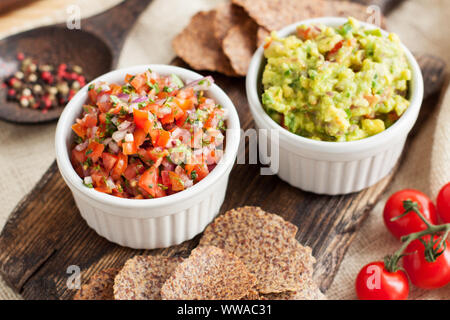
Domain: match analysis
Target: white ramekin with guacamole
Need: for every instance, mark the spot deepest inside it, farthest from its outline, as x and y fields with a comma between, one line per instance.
x=343, y=95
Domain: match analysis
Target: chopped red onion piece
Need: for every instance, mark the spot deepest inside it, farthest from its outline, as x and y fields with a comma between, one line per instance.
x=123, y=96
x=103, y=98
x=88, y=180
x=110, y=183
x=165, y=110
x=140, y=99
x=133, y=106
x=113, y=146
x=82, y=146
x=129, y=137
x=119, y=135
x=124, y=125
x=107, y=141
x=202, y=84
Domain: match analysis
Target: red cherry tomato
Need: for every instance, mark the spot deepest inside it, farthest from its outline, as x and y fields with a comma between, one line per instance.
x=374, y=282
x=424, y=274
x=411, y=222
x=443, y=203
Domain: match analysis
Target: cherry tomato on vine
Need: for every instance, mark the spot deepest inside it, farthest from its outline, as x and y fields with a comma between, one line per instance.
x=374, y=282
x=421, y=272
x=443, y=203
x=411, y=222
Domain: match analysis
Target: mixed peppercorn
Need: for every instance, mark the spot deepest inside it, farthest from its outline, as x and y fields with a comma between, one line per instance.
x=149, y=137
x=43, y=86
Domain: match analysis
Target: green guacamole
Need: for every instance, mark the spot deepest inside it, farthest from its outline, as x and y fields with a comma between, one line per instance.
x=335, y=84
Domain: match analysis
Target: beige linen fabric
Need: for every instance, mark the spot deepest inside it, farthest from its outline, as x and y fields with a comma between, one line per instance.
x=27, y=151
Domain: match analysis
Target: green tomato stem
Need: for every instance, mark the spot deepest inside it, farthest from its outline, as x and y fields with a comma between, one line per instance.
x=391, y=262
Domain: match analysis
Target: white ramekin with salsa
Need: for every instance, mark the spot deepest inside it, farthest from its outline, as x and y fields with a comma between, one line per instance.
x=343, y=95
x=147, y=152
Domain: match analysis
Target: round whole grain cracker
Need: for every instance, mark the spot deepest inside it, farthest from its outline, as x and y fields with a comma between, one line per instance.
x=227, y=16
x=239, y=45
x=142, y=277
x=267, y=246
x=209, y=273
x=198, y=46
x=276, y=14
x=99, y=286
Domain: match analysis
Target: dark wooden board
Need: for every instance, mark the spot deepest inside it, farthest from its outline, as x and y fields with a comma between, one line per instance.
x=45, y=233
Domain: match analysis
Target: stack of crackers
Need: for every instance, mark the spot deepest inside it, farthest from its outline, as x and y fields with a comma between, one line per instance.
x=224, y=39
x=245, y=254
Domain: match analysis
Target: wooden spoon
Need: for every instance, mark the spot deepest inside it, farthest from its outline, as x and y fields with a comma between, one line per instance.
x=95, y=48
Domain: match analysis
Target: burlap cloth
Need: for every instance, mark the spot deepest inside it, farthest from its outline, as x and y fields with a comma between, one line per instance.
x=423, y=25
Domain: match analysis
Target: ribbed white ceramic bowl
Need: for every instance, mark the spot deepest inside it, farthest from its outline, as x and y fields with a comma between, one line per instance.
x=150, y=223
x=334, y=167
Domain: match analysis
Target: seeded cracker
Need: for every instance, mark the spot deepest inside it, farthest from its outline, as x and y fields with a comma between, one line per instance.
x=239, y=45
x=198, y=46
x=99, y=286
x=308, y=291
x=261, y=35
x=142, y=277
x=266, y=244
x=276, y=14
x=210, y=274
x=349, y=9
x=227, y=16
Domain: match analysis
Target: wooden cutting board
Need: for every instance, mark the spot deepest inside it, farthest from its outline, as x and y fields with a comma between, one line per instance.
x=45, y=234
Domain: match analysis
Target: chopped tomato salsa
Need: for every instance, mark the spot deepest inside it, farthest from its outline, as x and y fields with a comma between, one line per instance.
x=150, y=137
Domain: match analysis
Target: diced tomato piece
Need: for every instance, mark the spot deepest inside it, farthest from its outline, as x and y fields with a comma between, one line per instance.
x=79, y=156
x=120, y=166
x=156, y=153
x=94, y=150
x=335, y=49
x=201, y=171
x=141, y=120
x=178, y=113
x=79, y=130
x=153, y=108
x=133, y=170
x=139, y=82
x=103, y=189
x=213, y=119
x=139, y=136
x=99, y=177
x=184, y=104
x=115, y=89
x=129, y=147
x=168, y=118
x=90, y=120
x=164, y=137
x=119, y=194
x=165, y=177
x=102, y=118
x=175, y=181
x=109, y=160
x=303, y=33
x=128, y=77
x=149, y=183
x=182, y=120
x=186, y=93
x=154, y=135
x=104, y=106
x=92, y=94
